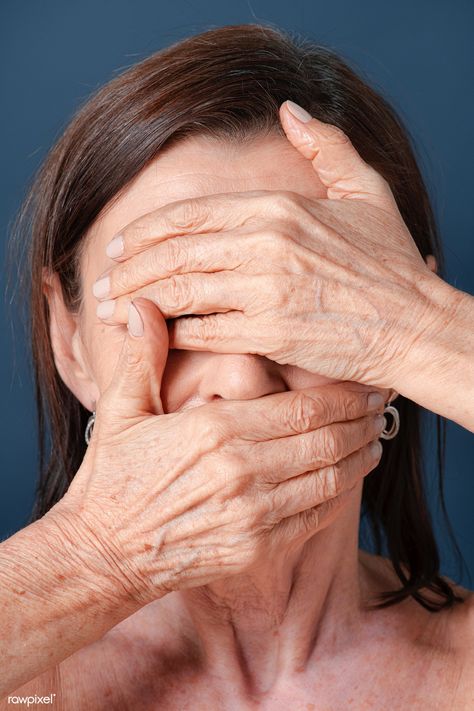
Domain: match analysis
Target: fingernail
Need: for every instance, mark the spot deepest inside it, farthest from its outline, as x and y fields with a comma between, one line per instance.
x=106, y=309
x=115, y=247
x=135, y=322
x=101, y=287
x=374, y=401
x=298, y=111
x=376, y=449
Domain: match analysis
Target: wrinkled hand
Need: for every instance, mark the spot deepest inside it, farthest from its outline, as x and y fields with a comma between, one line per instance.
x=335, y=286
x=180, y=499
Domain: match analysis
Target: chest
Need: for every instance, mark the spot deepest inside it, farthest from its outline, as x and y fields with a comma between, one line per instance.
x=169, y=680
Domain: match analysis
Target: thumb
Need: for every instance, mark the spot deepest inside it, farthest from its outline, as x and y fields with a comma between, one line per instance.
x=136, y=384
x=335, y=160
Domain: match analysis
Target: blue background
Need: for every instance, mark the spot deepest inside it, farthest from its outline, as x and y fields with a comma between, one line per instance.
x=54, y=53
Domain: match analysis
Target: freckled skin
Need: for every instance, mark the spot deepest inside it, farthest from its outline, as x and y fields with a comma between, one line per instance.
x=296, y=634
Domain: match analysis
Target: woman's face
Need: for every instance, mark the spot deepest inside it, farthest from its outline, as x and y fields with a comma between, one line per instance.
x=195, y=167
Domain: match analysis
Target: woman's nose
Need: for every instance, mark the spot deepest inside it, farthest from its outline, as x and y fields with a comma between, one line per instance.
x=239, y=377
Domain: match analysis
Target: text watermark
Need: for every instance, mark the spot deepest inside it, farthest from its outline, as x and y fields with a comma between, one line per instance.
x=30, y=700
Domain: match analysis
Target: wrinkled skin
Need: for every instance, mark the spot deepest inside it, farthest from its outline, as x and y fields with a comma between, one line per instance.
x=332, y=286
x=246, y=477
x=275, y=605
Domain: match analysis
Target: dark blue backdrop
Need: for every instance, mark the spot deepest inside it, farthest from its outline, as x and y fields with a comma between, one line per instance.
x=54, y=53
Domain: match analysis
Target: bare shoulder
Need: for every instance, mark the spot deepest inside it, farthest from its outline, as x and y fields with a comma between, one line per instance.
x=460, y=636
x=45, y=689
x=462, y=623
x=446, y=637
x=129, y=665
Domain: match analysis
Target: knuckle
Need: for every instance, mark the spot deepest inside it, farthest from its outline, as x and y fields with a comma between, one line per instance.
x=135, y=364
x=176, y=291
x=236, y=466
x=207, y=327
x=353, y=404
x=275, y=503
x=313, y=518
x=275, y=241
x=282, y=204
x=281, y=293
x=332, y=444
x=136, y=234
x=187, y=215
x=302, y=412
x=172, y=255
x=307, y=451
x=331, y=481
x=369, y=428
x=233, y=471
x=310, y=451
x=212, y=430
x=310, y=518
x=280, y=245
x=258, y=513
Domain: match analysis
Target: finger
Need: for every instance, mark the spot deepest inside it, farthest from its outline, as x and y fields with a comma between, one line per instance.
x=178, y=255
x=229, y=332
x=288, y=457
x=136, y=385
x=306, y=496
x=335, y=160
x=220, y=333
x=296, y=411
x=191, y=294
x=208, y=213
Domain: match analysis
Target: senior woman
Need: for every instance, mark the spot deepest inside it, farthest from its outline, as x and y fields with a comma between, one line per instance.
x=234, y=288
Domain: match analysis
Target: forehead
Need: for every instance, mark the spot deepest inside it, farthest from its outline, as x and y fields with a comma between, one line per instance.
x=200, y=166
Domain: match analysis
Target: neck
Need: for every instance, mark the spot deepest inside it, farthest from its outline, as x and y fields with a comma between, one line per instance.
x=266, y=625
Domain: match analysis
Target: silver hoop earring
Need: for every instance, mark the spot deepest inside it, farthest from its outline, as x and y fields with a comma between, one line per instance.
x=89, y=428
x=393, y=431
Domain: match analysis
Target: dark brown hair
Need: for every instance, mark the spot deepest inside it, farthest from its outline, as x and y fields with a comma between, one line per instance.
x=227, y=83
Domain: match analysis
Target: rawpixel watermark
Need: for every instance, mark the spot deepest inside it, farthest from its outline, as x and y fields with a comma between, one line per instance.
x=30, y=700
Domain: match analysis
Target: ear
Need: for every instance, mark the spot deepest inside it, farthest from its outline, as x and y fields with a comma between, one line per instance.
x=431, y=263
x=67, y=345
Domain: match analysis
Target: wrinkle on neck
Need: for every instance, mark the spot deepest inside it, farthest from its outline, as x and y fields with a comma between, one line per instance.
x=259, y=628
